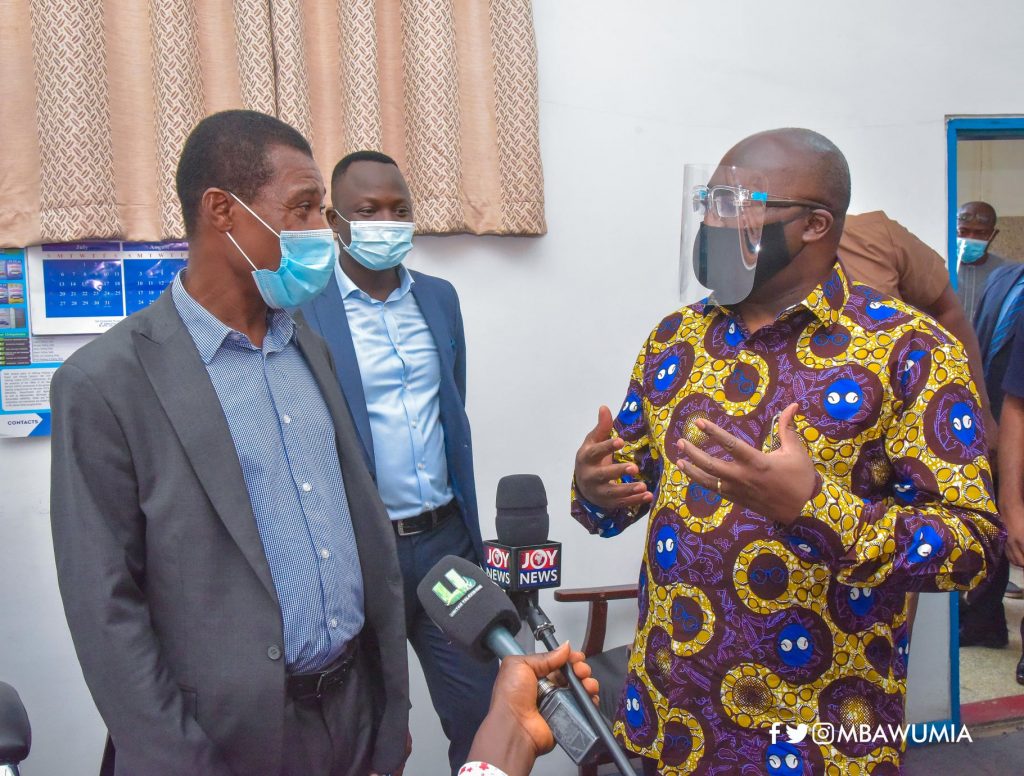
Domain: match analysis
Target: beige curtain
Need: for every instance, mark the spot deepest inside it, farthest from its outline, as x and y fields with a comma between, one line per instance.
x=97, y=97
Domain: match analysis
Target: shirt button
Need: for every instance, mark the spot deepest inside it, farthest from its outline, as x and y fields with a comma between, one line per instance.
x=274, y=652
x=415, y=424
x=307, y=487
x=420, y=466
x=325, y=553
x=286, y=418
x=334, y=622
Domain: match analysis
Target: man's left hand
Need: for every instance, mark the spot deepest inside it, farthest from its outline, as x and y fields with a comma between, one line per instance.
x=775, y=485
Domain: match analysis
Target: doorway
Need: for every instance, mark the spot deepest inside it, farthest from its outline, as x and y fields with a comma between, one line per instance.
x=985, y=163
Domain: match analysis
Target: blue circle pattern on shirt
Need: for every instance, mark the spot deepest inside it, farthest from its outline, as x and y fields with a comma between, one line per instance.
x=783, y=759
x=902, y=656
x=843, y=398
x=665, y=543
x=795, y=645
x=961, y=418
x=631, y=409
x=911, y=361
x=733, y=334
x=803, y=548
x=861, y=600
x=926, y=544
x=634, y=708
x=878, y=311
x=904, y=490
x=668, y=371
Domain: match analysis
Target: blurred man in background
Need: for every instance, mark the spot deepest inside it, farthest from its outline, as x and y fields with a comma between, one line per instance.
x=1011, y=462
x=975, y=231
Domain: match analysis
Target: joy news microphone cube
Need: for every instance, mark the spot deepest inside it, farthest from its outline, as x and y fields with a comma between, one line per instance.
x=517, y=569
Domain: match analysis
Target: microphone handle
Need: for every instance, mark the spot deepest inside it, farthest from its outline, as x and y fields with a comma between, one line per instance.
x=502, y=643
x=545, y=631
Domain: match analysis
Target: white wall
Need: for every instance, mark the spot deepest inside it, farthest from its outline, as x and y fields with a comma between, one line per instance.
x=629, y=93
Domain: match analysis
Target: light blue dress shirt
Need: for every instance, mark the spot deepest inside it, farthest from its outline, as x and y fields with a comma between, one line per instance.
x=401, y=374
x=284, y=437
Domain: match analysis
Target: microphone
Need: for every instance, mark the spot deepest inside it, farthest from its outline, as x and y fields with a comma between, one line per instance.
x=522, y=558
x=474, y=613
x=522, y=524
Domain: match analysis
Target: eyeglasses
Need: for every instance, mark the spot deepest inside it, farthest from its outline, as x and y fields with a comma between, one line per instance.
x=967, y=217
x=729, y=201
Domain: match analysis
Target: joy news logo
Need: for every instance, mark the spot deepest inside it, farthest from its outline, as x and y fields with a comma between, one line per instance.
x=826, y=734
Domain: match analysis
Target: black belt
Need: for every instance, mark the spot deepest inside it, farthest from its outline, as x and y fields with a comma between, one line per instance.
x=427, y=521
x=308, y=687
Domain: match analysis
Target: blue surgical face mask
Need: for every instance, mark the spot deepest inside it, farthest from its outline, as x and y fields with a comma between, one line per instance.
x=378, y=245
x=307, y=262
x=970, y=249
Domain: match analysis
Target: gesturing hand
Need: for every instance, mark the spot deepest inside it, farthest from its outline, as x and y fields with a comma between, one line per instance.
x=775, y=485
x=598, y=478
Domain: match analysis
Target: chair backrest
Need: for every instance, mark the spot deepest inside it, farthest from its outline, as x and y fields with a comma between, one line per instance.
x=15, y=731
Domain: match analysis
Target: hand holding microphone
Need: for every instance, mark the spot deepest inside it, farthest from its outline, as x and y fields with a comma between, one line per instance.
x=531, y=563
x=475, y=614
x=514, y=733
x=473, y=611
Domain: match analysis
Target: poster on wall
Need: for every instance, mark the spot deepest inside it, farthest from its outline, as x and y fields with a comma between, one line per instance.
x=56, y=298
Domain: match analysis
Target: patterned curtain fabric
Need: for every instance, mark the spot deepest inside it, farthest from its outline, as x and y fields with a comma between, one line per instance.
x=99, y=95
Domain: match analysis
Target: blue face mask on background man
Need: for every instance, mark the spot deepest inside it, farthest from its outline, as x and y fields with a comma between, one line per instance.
x=970, y=249
x=378, y=245
x=307, y=262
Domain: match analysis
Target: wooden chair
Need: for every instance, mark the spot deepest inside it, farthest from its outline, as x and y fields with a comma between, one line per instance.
x=609, y=665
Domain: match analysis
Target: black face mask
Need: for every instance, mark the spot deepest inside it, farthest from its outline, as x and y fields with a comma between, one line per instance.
x=718, y=260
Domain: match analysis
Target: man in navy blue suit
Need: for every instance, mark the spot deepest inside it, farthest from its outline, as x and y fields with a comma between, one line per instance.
x=398, y=347
x=997, y=322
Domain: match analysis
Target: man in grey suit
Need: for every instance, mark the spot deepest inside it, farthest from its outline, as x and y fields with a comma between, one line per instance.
x=228, y=570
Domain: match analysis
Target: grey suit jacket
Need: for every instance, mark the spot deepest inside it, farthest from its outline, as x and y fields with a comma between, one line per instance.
x=165, y=583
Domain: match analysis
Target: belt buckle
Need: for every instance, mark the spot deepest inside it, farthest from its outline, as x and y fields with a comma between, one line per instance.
x=401, y=530
x=325, y=677
x=319, y=693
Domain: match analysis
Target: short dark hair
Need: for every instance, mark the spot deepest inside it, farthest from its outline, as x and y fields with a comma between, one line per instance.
x=228, y=150
x=358, y=156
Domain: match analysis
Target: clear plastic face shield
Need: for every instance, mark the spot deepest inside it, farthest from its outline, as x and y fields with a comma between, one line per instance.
x=723, y=218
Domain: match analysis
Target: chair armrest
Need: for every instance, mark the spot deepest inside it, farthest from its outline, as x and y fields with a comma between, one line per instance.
x=608, y=593
x=597, y=618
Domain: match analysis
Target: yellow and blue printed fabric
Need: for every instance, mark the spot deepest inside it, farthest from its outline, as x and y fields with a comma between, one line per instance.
x=743, y=622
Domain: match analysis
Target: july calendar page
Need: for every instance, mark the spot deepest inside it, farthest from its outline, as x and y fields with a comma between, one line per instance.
x=85, y=288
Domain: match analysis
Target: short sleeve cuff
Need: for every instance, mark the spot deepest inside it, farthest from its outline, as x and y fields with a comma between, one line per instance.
x=478, y=768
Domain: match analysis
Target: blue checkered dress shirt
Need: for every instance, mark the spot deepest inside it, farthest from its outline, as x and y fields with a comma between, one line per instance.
x=284, y=437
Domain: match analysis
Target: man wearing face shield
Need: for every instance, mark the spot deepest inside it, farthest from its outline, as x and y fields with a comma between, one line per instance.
x=809, y=451
x=228, y=570
x=975, y=231
x=397, y=340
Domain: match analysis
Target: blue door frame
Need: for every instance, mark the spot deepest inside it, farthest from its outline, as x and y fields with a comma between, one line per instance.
x=959, y=129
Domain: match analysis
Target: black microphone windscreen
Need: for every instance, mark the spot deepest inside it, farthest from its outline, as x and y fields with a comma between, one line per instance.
x=522, y=510
x=465, y=604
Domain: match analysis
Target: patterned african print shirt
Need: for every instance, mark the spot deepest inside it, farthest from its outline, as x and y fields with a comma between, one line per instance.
x=745, y=623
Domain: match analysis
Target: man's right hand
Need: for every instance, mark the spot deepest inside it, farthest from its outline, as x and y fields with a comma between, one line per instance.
x=599, y=478
x=1013, y=519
